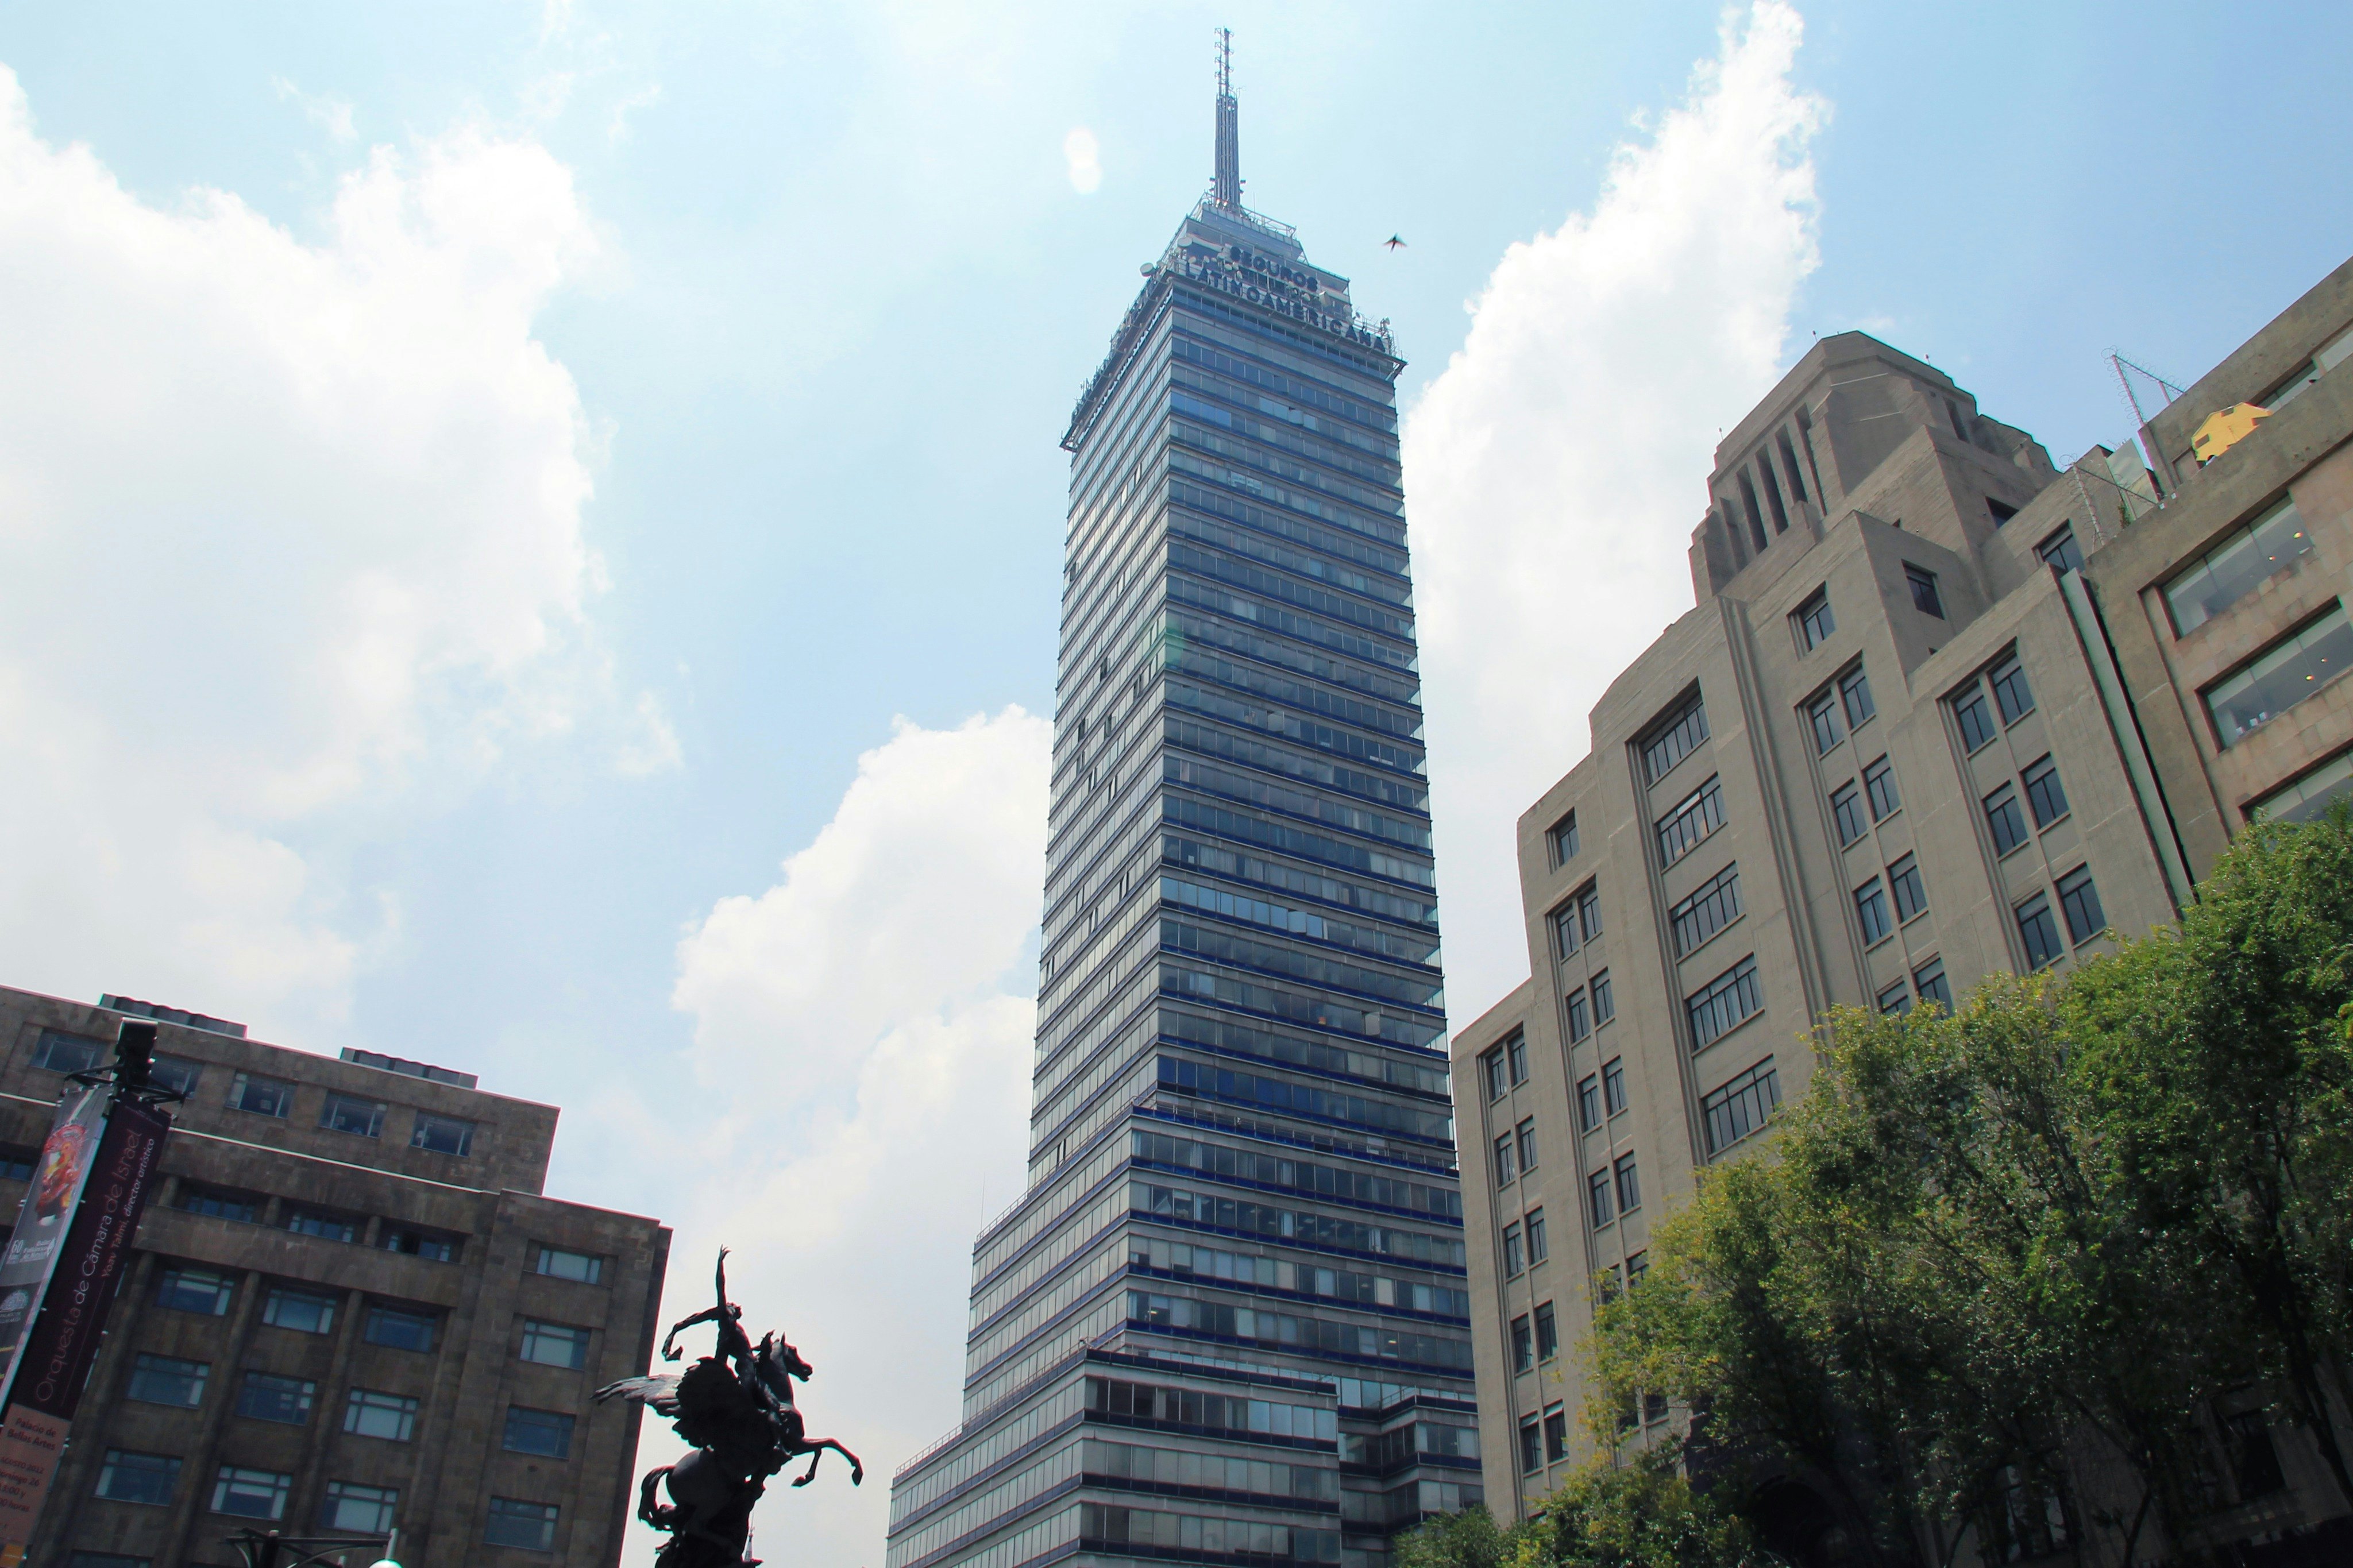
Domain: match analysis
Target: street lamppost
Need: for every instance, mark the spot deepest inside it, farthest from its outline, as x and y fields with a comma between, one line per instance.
x=268, y=1548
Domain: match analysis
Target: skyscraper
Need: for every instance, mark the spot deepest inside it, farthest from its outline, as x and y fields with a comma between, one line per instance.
x=1228, y=1318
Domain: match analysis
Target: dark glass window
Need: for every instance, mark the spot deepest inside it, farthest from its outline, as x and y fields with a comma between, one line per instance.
x=1547, y=1333
x=542, y=1432
x=2305, y=798
x=1563, y=839
x=529, y=1525
x=1580, y=1021
x=2060, y=551
x=2007, y=822
x=1911, y=893
x=1896, y=998
x=1515, y=1257
x=1589, y=1102
x=554, y=1344
x=1629, y=1185
x=2011, y=693
x=260, y=1096
x=350, y=1507
x=587, y=1269
x=61, y=1052
x=1492, y=1064
x=1503, y=1171
x=1846, y=810
x=1531, y=1446
x=195, y=1291
x=1555, y=1431
x=178, y=1074
x=1523, y=1345
x=1527, y=1144
x=267, y=1397
x=2081, y=902
x=1515, y=1056
x=1713, y=905
x=2244, y=558
x=1613, y=1085
x=126, y=1477
x=220, y=1203
x=298, y=1309
x=1821, y=714
x=371, y=1413
x=1686, y=826
x=1925, y=597
x=249, y=1493
x=1637, y=1265
x=2002, y=510
x=1738, y=1109
x=2284, y=675
x=1855, y=690
x=1977, y=723
x=167, y=1380
x=416, y=1241
x=442, y=1134
x=1879, y=782
x=1604, y=1006
x=1596, y=1196
x=1814, y=622
x=1930, y=978
x=321, y=1222
x=1732, y=998
x=391, y=1327
x=1588, y=910
x=1870, y=912
x=2038, y=932
x=1676, y=738
x=2043, y=792
x=1564, y=938
x=1539, y=1248
x=349, y=1113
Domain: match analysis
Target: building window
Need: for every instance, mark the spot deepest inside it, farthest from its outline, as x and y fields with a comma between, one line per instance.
x=2040, y=933
x=127, y=1477
x=1531, y=1446
x=1581, y=1023
x=2080, y=900
x=414, y=1241
x=1528, y=1138
x=298, y=1309
x=1925, y=597
x=1629, y=1185
x=1846, y=811
x=166, y=1380
x=250, y=1494
x=1515, y=1055
x=1604, y=1006
x=1588, y=913
x=267, y=1397
x=1789, y=465
x=2290, y=671
x=1613, y=1085
x=1879, y=783
x=2043, y=792
x=1821, y=714
x=1677, y=737
x=1637, y=1265
x=218, y=1204
x=2060, y=551
x=1686, y=826
x=1514, y=1253
x=1738, y=1109
x=1724, y=1003
x=1504, y=1172
x=61, y=1052
x=1930, y=980
x=2001, y=511
x=1870, y=913
x=260, y=1096
x=1814, y=621
x=2011, y=693
x=1562, y=838
x=1597, y=1197
x=1492, y=1065
x=351, y=1507
x=1714, y=906
x=547, y=1433
x=178, y=1074
x=1976, y=721
x=1539, y=1244
x=2244, y=558
x=584, y=1268
x=16, y=1163
x=399, y=1330
x=442, y=1134
x=1565, y=939
x=554, y=1344
x=1589, y=1103
x=1547, y=1333
x=349, y=1113
x=374, y=1413
x=1854, y=691
x=530, y=1525
x=327, y=1227
x=1555, y=1433
x=2004, y=820
x=1895, y=999
x=2305, y=799
x=1911, y=893
x=1524, y=1346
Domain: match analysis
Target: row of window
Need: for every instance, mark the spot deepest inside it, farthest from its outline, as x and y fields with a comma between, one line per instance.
x=2283, y=675
x=2044, y=796
x=1515, y=1152
x=1603, y=1007
x=1812, y=623
x=1577, y=921
x=1506, y=1067
x=1878, y=790
x=1927, y=981
x=369, y=1413
x=208, y=1292
x=1525, y=1243
x=1595, y=1092
x=1619, y=1180
x=1533, y=1345
x=243, y=1492
x=1903, y=885
x=1739, y=1110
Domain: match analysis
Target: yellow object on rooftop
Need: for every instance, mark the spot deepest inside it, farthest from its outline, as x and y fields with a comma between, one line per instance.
x=2225, y=429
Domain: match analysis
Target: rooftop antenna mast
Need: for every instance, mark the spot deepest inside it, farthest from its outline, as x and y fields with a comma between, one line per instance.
x=1227, y=192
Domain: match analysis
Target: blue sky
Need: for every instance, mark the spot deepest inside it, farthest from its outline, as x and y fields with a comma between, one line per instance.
x=566, y=441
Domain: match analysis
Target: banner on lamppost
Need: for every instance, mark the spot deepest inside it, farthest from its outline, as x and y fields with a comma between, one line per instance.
x=96, y=1207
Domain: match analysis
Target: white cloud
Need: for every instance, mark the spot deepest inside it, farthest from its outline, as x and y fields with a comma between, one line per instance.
x=1556, y=466
x=330, y=114
x=869, y=1017
x=1083, y=156
x=286, y=529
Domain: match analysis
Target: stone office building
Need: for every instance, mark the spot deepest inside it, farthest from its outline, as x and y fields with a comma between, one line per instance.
x=1942, y=709
x=351, y=1307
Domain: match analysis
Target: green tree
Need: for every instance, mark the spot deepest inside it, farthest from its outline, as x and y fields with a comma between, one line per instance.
x=1638, y=1512
x=1470, y=1539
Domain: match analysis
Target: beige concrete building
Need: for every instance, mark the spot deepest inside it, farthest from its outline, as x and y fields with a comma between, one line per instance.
x=350, y=1308
x=1941, y=709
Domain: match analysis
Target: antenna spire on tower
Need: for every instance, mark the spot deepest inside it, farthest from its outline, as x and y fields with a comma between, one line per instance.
x=1227, y=192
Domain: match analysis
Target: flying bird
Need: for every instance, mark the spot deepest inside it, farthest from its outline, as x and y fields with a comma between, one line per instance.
x=1394, y=243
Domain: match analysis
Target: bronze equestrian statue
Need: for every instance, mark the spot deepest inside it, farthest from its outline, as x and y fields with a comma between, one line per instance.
x=735, y=1408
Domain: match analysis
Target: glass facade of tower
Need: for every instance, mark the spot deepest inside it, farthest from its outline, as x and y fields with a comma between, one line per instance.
x=1228, y=1321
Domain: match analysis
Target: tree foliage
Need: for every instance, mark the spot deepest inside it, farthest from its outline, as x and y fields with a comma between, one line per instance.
x=1635, y=1513
x=2070, y=1220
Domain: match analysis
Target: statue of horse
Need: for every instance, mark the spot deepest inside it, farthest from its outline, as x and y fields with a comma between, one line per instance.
x=735, y=1408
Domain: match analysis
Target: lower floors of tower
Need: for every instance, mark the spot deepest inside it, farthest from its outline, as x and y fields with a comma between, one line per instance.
x=1143, y=1448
